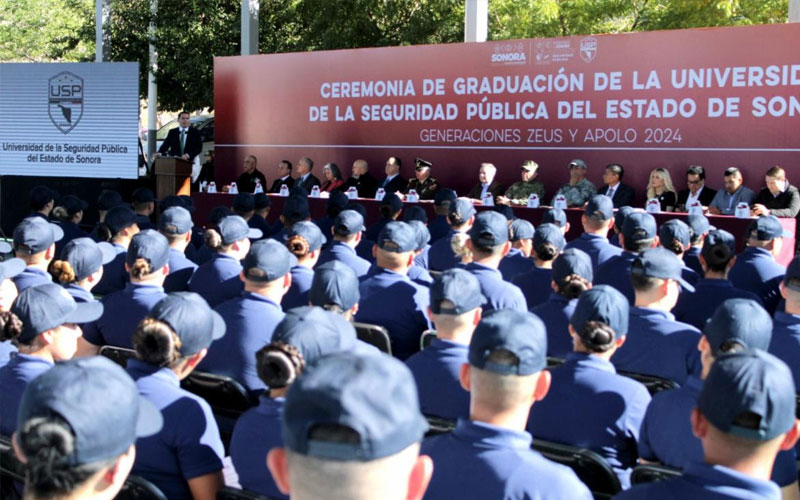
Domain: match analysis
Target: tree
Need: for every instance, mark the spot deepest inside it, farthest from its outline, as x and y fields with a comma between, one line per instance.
x=46, y=30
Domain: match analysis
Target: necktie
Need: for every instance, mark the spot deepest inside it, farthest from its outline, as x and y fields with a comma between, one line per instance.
x=183, y=139
x=610, y=193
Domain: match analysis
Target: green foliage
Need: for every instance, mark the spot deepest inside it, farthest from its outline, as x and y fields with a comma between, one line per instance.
x=46, y=30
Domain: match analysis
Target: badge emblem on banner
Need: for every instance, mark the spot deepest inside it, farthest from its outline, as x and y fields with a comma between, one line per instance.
x=488, y=200
x=533, y=201
x=588, y=49
x=560, y=202
x=233, y=189
x=742, y=210
x=65, y=101
x=653, y=206
x=352, y=193
x=314, y=192
x=695, y=208
x=258, y=188
x=412, y=196
x=284, y=190
x=212, y=187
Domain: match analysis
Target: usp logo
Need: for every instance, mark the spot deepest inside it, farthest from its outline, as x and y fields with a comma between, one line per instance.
x=65, y=100
x=588, y=48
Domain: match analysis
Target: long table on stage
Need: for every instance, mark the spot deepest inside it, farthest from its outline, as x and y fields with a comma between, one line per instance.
x=204, y=202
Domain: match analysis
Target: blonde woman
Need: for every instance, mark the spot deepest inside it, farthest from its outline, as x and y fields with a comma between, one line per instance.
x=660, y=186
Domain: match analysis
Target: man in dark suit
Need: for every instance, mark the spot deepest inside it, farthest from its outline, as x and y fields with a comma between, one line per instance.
x=284, y=177
x=362, y=180
x=696, y=180
x=393, y=181
x=486, y=183
x=183, y=141
x=246, y=183
x=621, y=194
x=306, y=179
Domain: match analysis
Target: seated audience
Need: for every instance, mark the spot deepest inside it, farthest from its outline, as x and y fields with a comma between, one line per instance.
x=597, y=219
x=305, y=243
x=35, y=243
x=548, y=242
x=460, y=216
x=81, y=267
x=176, y=224
x=756, y=269
x=347, y=233
x=638, y=233
x=518, y=260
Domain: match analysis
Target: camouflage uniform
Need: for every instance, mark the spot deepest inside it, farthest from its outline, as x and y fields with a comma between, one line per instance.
x=425, y=189
x=520, y=191
x=578, y=194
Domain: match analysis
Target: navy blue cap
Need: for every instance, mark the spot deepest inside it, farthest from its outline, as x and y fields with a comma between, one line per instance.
x=41, y=196
x=749, y=383
x=334, y=283
x=548, y=233
x=375, y=396
x=47, y=306
x=11, y=267
x=109, y=199
x=218, y=213
x=699, y=224
x=423, y=235
x=310, y=232
x=605, y=304
x=348, y=222
x=86, y=256
x=357, y=207
x=461, y=209
x=490, y=229
x=397, y=237
x=674, y=229
x=766, y=228
x=717, y=238
x=520, y=229
x=296, y=208
x=99, y=401
x=188, y=204
x=337, y=201
x=267, y=260
x=599, y=207
x=622, y=213
x=521, y=333
x=392, y=201
x=151, y=246
x=660, y=263
x=444, y=196
x=233, y=228
x=639, y=226
x=72, y=204
x=415, y=212
x=243, y=202
x=792, y=273
x=143, y=195
x=572, y=261
x=555, y=216
x=743, y=321
x=506, y=211
x=169, y=201
x=34, y=235
x=261, y=201
x=119, y=218
x=175, y=220
x=315, y=332
x=459, y=287
x=192, y=320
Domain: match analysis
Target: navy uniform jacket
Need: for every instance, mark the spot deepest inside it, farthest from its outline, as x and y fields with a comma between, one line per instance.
x=707, y=482
x=420, y=275
x=535, y=285
x=441, y=256
x=666, y=435
x=438, y=228
x=78, y=293
x=144, y=222
x=31, y=276
x=257, y=431
x=755, y=270
x=658, y=345
x=298, y=293
x=114, y=275
x=436, y=370
x=422, y=259
x=696, y=307
x=556, y=313
x=591, y=406
x=325, y=224
x=364, y=249
x=514, y=263
x=250, y=320
x=181, y=270
x=14, y=378
x=597, y=247
x=374, y=230
x=616, y=272
x=691, y=261
x=396, y=303
x=122, y=312
x=7, y=349
x=499, y=294
x=187, y=446
x=482, y=461
x=346, y=255
x=218, y=279
x=785, y=343
x=258, y=222
x=71, y=232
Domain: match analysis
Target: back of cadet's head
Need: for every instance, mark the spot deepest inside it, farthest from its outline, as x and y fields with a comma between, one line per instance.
x=600, y=318
x=638, y=231
x=719, y=248
x=791, y=280
x=455, y=295
x=572, y=273
x=738, y=324
x=267, y=261
x=489, y=232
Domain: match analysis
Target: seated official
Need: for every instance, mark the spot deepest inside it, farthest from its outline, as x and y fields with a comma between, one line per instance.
x=393, y=182
x=305, y=179
x=621, y=195
x=423, y=183
x=660, y=187
x=519, y=192
x=460, y=216
x=246, y=183
x=696, y=191
x=579, y=189
x=35, y=243
x=778, y=198
x=597, y=219
x=518, y=260
x=81, y=267
x=366, y=185
x=305, y=243
x=486, y=183
x=548, y=243
x=756, y=269
x=333, y=178
x=284, y=177
x=735, y=192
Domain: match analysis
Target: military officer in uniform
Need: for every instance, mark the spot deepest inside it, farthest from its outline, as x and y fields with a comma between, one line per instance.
x=424, y=184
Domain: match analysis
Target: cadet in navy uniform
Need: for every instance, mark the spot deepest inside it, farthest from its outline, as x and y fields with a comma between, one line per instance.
x=46, y=331
x=589, y=405
x=347, y=230
x=488, y=242
x=558, y=217
x=8, y=294
x=490, y=455
x=390, y=208
x=144, y=204
x=460, y=216
x=81, y=267
x=120, y=222
x=305, y=335
x=69, y=214
x=336, y=203
x=745, y=414
x=147, y=261
x=700, y=228
x=185, y=458
x=518, y=260
x=439, y=227
x=251, y=317
x=455, y=311
x=42, y=201
x=717, y=258
x=34, y=243
x=345, y=439
x=572, y=275
x=666, y=434
x=418, y=273
x=261, y=207
x=176, y=226
x=335, y=289
x=204, y=252
x=294, y=210
x=389, y=298
x=658, y=345
x=786, y=329
x=597, y=220
x=675, y=236
x=548, y=242
x=305, y=243
x=218, y=279
x=638, y=233
x=244, y=205
x=364, y=247
x=416, y=213
x=756, y=269
x=619, y=222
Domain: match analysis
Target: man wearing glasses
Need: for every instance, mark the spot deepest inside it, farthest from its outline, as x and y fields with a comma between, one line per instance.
x=696, y=181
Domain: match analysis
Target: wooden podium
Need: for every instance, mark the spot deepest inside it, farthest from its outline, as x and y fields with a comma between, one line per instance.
x=173, y=176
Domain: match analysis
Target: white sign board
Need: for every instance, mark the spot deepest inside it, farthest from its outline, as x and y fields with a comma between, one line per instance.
x=69, y=119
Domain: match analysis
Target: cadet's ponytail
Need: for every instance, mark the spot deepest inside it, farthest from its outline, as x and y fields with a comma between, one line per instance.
x=597, y=336
x=279, y=364
x=62, y=272
x=157, y=343
x=10, y=326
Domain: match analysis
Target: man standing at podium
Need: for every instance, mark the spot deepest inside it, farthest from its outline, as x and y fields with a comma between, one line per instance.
x=183, y=141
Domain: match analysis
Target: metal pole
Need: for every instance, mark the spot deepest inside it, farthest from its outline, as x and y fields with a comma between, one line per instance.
x=250, y=27
x=152, y=88
x=102, y=31
x=476, y=20
x=794, y=11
